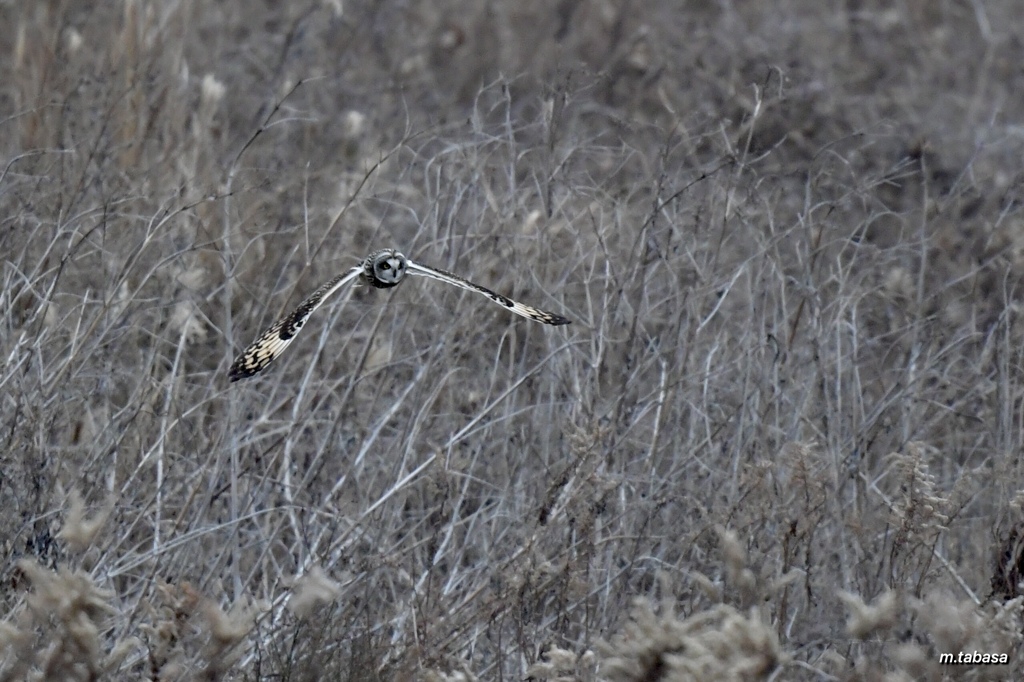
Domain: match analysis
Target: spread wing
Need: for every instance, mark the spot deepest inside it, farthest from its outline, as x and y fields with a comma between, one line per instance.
x=274, y=340
x=515, y=306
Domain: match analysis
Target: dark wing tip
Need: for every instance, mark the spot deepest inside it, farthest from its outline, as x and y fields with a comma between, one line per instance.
x=246, y=365
x=239, y=371
x=559, y=320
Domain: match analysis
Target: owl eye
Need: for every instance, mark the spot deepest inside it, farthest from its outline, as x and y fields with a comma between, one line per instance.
x=385, y=266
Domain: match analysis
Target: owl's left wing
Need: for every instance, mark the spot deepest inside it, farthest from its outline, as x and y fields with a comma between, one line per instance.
x=515, y=306
x=271, y=343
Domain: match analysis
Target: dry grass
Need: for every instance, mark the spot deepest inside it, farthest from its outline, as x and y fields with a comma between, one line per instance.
x=781, y=440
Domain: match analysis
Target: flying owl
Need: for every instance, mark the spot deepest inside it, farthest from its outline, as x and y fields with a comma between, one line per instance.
x=382, y=269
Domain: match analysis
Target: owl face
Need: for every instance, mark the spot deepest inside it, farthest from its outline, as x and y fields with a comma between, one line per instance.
x=386, y=269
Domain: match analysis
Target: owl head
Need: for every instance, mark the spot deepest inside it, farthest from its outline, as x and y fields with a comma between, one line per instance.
x=385, y=269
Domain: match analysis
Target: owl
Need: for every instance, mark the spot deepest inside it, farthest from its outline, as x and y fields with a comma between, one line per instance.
x=382, y=269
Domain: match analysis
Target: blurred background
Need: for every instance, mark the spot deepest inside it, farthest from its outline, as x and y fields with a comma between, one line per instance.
x=780, y=440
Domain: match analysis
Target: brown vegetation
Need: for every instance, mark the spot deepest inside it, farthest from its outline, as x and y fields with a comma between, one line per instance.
x=781, y=439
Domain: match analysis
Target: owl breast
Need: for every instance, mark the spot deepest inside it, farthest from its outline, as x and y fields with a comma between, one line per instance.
x=375, y=281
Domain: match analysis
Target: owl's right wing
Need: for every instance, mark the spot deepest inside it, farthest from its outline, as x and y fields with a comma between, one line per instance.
x=518, y=308
x=274, y=340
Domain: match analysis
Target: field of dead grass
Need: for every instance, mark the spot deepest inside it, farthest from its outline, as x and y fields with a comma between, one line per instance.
x=781, y=439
